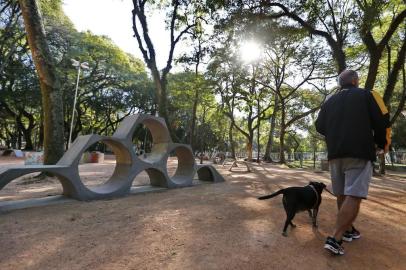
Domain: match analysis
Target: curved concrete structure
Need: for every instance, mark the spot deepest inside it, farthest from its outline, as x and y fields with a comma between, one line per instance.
x=128, y=164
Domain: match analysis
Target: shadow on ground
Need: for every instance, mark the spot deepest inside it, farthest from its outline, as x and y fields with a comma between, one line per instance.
x=214, y=226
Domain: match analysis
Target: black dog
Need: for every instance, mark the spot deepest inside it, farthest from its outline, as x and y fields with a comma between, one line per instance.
x=296, y=199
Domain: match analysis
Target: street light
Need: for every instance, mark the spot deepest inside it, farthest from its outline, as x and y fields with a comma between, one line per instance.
x=79, y=65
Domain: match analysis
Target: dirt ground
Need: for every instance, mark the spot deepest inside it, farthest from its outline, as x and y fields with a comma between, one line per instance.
x=208, y=226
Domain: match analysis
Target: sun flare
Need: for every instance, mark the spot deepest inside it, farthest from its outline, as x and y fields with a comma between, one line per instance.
x=250, y=51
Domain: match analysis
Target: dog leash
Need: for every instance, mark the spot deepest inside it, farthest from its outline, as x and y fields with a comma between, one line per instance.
x=317, y=195
x=330, y=192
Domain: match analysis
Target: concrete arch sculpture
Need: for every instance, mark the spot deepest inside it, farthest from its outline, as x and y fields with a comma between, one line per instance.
x=128, y=164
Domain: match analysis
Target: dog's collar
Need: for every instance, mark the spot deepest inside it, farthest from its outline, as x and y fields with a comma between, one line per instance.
x=317, y=196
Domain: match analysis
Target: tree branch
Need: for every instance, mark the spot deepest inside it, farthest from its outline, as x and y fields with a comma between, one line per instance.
x=392, y=29
x=300, y=116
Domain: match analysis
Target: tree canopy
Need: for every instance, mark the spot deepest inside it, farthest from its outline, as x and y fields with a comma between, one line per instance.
x=213, y=99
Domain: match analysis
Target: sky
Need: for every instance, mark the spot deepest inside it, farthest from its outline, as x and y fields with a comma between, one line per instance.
x=113, y=18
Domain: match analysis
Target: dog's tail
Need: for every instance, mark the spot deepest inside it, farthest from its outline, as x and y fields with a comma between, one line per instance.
x=271, y=195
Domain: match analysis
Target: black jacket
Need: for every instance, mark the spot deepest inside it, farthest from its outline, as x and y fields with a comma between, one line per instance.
x=353, y=124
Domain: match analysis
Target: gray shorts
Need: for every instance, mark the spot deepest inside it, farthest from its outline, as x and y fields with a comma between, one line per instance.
x=351, y=176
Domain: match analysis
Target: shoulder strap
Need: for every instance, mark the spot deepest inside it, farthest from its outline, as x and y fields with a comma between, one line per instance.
x=385, y=112
x=380, y=102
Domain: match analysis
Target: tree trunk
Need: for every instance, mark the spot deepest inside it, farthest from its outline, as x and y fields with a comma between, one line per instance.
x=338, y=55
x=196, y=99
x=8, y=143
x=139, y=18
x=258, y=147
x=231, y=139
x=282, y=135
x=249, y=149
x=269, y=144
x=258, y=132
x=161, y=99
x=26, y=132
x=28, y=140
x=13, y=139
x=375, y=57
x=402, y=101
x=314, y=153
x=193, y=123
x=41, y=134
x=50, y=89
x=163, y=104
x=393, y=75
x=282, y=159
x=19, y=138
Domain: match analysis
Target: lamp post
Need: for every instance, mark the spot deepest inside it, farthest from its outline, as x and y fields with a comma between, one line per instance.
x=79, y=65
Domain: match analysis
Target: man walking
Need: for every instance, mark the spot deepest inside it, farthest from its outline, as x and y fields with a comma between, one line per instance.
x=354, y=127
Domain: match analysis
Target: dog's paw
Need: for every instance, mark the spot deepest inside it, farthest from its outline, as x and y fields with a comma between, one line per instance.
x=315, y=225
x=285, y=234
x=293, y=225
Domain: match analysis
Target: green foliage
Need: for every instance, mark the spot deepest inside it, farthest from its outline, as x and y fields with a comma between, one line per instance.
x=228, y=92
x=115, y=85
x=52, y=13
x=182, y=88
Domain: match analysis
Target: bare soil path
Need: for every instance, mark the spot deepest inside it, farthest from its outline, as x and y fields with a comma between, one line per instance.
x=209, y=226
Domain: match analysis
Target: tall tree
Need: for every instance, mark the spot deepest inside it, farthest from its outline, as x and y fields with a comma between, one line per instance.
x=114, y=86
x=341, y=24
x=199, y=40
x=372, y=14
x=329, y=20
x=294, y=101
x=271, y=135
x=181, y=20
x=238, y=87
x=392, y=79
x=50, y=89
x=17, y=94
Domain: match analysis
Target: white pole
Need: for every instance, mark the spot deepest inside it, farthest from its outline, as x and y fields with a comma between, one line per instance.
x=74, y=106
